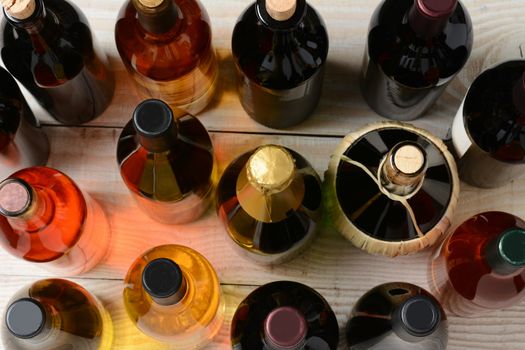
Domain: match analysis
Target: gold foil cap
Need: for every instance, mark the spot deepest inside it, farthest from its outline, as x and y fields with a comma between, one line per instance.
x=267, y=187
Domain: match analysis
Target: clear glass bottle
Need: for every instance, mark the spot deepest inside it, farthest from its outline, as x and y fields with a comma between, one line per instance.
x=414, y=50
x=284, y=315
x=55, y=314
x=166, y=46
x=46, y=219
x=167, y=163
x=391, y=188
x=397, y=316
x=22, y=142
x=173, y=294
x=481, y=266
x=280, y=50
x=49, y=47
x=269, y=200
x=488, y=128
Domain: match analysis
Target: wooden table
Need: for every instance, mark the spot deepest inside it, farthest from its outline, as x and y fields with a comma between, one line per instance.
x=332, y=266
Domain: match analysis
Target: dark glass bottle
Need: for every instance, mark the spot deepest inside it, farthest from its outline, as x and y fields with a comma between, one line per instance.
x=46, y=219
x=481, y=265
x=280, y=50
x=397, y=316
x=22, y=142
x=166, y=46
x=392, y=188
x=284, y=315
x=487, y=132
x=167, y=163
x=50, y=49
x=269, y=200
x=56, y=314
x=414, y=49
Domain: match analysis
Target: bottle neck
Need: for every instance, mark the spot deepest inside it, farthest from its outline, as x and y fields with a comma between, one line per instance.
x=428, y=18
x=26, y=208
x=403, y=168
x=518, y=94
x=157, y=16
x=506, y=254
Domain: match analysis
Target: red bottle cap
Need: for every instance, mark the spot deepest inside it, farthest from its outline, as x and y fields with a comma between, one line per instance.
x=285, y=328
x=437, y=8
x=427, y=17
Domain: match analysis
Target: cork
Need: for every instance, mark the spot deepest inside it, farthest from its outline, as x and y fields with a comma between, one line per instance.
x=15, y=197
x=270, y=169
x=409, y=159
x=281, y=10
x=150, y=3
x=19, y=9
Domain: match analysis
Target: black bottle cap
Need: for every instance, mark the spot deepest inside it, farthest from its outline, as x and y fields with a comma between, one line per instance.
x=506, y=254
x=25, y=318
x=155, y=125
x=419, y=316
x=163, y=281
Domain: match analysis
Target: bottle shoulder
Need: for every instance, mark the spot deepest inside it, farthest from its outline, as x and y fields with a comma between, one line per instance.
x=279, y=59
x=167, y=56
x=415, y=61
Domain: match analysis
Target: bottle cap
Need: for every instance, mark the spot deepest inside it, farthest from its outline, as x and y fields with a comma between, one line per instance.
x=419, y=316
x=154, y=122
x=409, y=159
x=428, y=17
x=163, y=281
x=281, y=10
x=404, y=168
x=512, y=247
x=437, y=8
x=25, y=318
x=270, y=169
x=285, y=328
x=19, y=9
x=15, y=197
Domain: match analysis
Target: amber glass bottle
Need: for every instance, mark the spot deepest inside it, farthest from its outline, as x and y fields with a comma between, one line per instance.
x=166, y=47
x=269, y=200
x=46, y=219
x=56, y=314
x=391, y=188
x=481, y=266
x=397, y=316
x=172, y=293
x=167, y=163
x=22, y=141
x=280, y=50
x=50, y=49
x=284, y=315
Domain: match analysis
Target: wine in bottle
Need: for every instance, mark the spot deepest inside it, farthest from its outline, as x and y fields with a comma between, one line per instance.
x=269, y=200
x=55, y=314
x=22, y=142
x=397, y=316
x=48, y=46
x=166, y=46
x=167, y=163
x=46, y=219
x=284, y=315
x=280, y=50
x=172, y=293
x=481, y=266
x=391, y=188
x=487, y=132
x=414, y=49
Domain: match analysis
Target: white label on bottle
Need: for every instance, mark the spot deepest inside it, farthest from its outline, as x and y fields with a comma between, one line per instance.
x=460, y=137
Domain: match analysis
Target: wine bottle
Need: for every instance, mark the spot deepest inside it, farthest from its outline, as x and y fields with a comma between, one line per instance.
x=284, y=315
x=280, y=50
x=397, y=316
x=414, y=49
x=172, y=293
x=50, y=49
x=391, y=188
x=46, y=219
x=166, y=46
x=269, y=200
x=487, y=130
x=481, y=265
x=22, y=142
x=167, y=163
x=55, y=314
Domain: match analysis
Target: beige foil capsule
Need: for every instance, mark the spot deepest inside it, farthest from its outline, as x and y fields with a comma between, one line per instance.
x=269, y=200
x=391, y=188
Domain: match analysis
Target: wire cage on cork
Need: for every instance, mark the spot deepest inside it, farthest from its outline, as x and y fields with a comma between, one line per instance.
x=377, y=206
